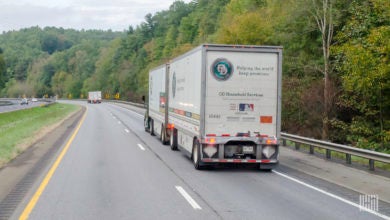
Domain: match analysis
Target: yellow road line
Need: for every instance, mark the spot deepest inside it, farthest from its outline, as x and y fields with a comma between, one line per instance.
x=30, y=206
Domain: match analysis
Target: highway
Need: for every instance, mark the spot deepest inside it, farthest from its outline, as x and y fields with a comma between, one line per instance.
x=17, y=106
x=113, y=169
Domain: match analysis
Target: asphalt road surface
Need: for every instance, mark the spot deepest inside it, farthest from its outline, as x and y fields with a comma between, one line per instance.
x=113, y=169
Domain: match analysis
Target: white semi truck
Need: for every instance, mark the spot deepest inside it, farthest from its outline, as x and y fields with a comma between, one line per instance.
x=95, y=97
x=219, y=104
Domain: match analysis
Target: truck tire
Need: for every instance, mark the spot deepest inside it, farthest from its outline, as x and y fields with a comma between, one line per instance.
x=146, y=124
x=152, y=127
x=173, y=140
x=163, y=136
x=267, y=170
x=196, y=156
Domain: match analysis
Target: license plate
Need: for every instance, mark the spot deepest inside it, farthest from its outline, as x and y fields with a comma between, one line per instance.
x=247, y=149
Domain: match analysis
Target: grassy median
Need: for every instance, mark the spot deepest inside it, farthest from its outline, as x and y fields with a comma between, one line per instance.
x=21, y=128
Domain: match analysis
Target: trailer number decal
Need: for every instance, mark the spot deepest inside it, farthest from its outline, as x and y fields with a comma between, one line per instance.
x=218, y=116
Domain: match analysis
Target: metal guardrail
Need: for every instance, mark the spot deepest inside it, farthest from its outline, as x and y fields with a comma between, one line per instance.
x=372, y=156
x=5, y=103
x=39, y=99
x=349, y=151
x=13, y=101
x=125, y=102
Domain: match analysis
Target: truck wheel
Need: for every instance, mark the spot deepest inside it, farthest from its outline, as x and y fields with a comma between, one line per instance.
x=152, y=127
x=266, y=170
x=163, y=135
x=173, y=140
x=196, y=156
x=146, y=124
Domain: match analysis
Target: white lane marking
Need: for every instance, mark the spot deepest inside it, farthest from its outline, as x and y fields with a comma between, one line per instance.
x=131, y=110
x=127, y=131
x=141, y=147
x=332, y=195
x=138, y=114
x=188, y=197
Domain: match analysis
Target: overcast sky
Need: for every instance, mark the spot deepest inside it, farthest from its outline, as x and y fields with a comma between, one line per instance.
x=116, y=15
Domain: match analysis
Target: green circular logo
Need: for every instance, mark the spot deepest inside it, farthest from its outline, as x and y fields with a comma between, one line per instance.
x=222, y=69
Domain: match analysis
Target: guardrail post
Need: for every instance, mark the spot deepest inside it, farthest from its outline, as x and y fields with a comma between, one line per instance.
x=349, y=151
x=328, y=154
x=348, y=158
x=297, y=146
x=284, y=142
x=371, y=163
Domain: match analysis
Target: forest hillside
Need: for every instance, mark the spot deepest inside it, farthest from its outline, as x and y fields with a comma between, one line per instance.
x=336, y=67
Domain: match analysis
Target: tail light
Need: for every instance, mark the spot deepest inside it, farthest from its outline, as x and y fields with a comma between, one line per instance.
x=170, y=126
x=209, y=140
x=271, y=141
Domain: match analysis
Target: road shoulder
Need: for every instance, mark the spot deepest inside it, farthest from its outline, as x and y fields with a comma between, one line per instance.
x=364, y=182
x=20, y=174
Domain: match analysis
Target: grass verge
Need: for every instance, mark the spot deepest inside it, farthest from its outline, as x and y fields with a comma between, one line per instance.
x=341, y=156
x=19, y=129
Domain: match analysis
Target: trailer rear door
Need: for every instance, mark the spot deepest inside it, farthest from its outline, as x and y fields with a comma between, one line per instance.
x=241, y=92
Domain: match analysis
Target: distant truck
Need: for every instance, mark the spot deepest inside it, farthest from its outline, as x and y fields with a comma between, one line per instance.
x=95, y=97
x=219, y=104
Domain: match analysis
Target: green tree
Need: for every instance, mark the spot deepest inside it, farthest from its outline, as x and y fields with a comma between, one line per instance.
x=61, y=84
x=323, y=13
x=50, y=43
x=363, y=60
x=170, y=42
x=3, y=71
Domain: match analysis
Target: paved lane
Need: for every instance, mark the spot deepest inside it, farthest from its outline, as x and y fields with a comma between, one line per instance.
x=115, y=170
x=106, y=175
x=246, y=193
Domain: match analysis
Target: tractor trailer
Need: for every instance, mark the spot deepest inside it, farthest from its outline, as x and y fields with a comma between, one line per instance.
x=219, y=104
x=95, y=97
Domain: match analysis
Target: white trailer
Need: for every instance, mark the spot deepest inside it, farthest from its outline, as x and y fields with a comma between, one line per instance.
x=157, y=105
x=95, y=97
x=224, y=104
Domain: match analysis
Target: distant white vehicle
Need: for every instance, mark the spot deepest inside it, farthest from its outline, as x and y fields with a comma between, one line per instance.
x=34, y=99
x=24, y=101
x=95, y=97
